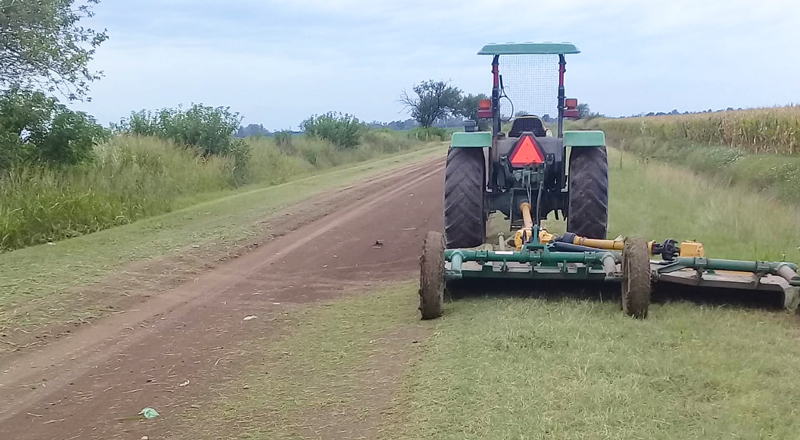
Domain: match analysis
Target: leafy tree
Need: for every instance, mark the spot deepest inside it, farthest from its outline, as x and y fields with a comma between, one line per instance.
x=584, y=111
x=434, y=100
x=468, y=107
x=43, y=46
x=37, y=128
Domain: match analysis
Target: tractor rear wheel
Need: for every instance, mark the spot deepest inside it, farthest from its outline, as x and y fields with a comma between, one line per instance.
x=464, y=187
x=587, y=214
x=636, y=278
x=431, y=276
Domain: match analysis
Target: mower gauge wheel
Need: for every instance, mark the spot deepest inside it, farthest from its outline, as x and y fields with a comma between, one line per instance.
x=636, y=278
x=431, y=279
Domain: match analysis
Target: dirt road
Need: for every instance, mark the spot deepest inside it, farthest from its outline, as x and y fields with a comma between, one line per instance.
x=165, y=352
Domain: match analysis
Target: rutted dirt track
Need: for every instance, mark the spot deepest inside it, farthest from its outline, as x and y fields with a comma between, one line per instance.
x=86, y=384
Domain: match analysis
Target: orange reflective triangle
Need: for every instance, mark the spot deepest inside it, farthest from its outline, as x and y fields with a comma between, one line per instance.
x=526, y=153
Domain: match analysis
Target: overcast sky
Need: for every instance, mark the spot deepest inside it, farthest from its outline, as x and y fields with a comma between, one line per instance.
x=279, y=62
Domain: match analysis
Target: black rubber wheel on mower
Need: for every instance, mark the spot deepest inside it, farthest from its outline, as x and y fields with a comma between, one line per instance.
x=587, y=214
x=636, y=278
x=464, y=188
x=431, y=276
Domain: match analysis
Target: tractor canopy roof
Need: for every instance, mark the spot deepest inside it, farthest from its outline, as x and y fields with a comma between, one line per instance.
x=546, y=48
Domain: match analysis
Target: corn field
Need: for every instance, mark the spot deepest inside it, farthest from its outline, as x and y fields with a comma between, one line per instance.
x=760, y=131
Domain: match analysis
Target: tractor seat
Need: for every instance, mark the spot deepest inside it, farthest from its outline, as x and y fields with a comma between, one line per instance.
x=527, y=123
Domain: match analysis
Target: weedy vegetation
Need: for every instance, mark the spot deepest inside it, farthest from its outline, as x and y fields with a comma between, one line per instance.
x=82, y=179
x=756, y=149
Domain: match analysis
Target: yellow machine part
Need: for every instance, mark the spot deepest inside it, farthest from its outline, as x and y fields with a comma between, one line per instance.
x=687, y=248
x=692, y=249
x=610, y=245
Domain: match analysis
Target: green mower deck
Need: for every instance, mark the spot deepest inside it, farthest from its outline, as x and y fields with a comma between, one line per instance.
x=632, y=268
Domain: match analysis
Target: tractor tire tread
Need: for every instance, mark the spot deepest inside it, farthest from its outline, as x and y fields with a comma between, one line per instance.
x=587, y=214
x=636, y=284
x=464, y=218
x=431, y=278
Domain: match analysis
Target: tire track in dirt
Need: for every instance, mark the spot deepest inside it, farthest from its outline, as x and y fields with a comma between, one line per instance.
x=144, y=279
x=81, y=384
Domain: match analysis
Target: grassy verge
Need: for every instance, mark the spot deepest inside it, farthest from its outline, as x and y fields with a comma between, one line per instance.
x=552, y=366
x=132, y=178
x=774, y=175
x=33, y=281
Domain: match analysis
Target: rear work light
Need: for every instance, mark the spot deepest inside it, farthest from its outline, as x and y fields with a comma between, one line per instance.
x=527, y=153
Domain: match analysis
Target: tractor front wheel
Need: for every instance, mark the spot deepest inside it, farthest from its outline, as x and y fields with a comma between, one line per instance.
x=636, y=278
x=464, y=187
x=587, y=214
x=431, y=276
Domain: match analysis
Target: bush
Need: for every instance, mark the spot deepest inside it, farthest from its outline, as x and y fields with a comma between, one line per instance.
x=209, y=130
x=343, y=130
x=36, y=128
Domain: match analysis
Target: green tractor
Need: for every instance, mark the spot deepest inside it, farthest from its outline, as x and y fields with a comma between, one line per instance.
x=527, y=173
x=527, y=164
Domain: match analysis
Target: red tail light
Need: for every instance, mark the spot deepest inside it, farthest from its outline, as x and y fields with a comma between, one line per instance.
x=571, y=103
x=526, y=153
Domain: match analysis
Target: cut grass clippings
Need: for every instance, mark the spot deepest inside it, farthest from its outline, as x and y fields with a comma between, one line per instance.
x=332, y=375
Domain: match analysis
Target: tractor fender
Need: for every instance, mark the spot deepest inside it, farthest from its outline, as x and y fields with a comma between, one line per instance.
x=588, y=138
x=478, y=139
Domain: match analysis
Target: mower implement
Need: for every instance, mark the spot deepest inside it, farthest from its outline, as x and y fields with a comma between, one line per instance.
x=528, y=173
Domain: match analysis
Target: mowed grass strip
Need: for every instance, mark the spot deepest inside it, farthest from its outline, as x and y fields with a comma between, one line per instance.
x=554, y=367
x=527, y=368
x=332, y=375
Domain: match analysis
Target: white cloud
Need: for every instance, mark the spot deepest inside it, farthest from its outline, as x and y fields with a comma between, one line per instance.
x=278, y=62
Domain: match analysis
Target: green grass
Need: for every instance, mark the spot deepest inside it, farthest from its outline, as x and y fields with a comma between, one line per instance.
x=36, y=282
x=538, y=369
x=660, y=201
x=329, y=369
x=133, y=178
x=550, y=366
x=774, y=175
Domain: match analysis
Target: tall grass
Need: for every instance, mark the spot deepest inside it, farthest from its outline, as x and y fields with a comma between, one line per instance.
x=758, y=149
x=767, y=130
x=137, y=177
